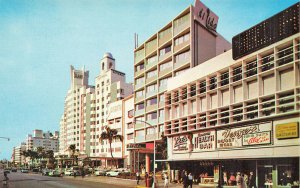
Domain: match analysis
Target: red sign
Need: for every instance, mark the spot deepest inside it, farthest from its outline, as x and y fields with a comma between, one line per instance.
x=257, y=138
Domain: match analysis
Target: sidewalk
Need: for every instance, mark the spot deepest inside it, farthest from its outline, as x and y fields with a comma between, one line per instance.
x=119, y=181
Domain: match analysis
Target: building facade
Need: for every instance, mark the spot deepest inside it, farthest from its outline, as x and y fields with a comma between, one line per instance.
x=79, y=114
x=18, y=158
x=228, y=116
x=46, y=140
x=185, y=42
x=111, y=87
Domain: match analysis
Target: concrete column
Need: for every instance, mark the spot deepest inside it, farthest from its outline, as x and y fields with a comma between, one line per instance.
x=148, y=162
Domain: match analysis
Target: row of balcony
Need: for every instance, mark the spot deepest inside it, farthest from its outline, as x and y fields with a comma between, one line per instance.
x=163, y=37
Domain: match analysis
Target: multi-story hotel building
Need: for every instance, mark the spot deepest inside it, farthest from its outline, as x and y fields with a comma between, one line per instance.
x=47, y=140
x=79, y=114
x=110, y=87
x=185, y=42
x=18, y=158
x=240, y=111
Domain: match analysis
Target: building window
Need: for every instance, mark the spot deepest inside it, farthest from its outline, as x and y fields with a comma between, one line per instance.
x=151, y=88
x=182, y=39
x=152, y=116
x=151, y=74
x=182, y=57
x=151, y=60
x=130, y=136
x=150, y=131
x=140, y=106
x=164, y=50
x=129, y=125
x=165, y=66
x=151, y=101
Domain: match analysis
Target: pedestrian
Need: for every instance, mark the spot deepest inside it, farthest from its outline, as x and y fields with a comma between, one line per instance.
x=246, y=180
x=138, y=177
x=181, y=176
x=185, y=180
x=146, y=178
x=239, y=180
x=82, y=173
x=252, y=181
x=166, y=180
x=190, y=180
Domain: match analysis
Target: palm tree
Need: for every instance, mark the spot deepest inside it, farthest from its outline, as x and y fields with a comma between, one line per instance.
x=110, y=135
x=31, y=154
x=73, y=149
x=50, y=156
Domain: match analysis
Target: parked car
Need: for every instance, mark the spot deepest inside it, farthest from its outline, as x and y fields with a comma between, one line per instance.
x=6, y=170
x=45, y=172
x=100, y=172
x=24, y=170
x=35, y=170
x=55, y=173
x=14, y=170
x=113, y=173
x=68, y=172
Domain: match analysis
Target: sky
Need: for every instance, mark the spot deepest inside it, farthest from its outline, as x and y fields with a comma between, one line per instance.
x=39, y=40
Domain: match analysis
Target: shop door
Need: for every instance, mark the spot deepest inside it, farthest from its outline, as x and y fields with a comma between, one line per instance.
x=265, y=178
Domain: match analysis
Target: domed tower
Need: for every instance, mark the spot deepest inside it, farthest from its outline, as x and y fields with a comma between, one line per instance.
x=107, y=62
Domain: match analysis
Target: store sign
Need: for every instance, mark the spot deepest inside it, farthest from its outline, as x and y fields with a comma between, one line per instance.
x=287, y=130
x=76, y=75
x=230, y=138
x=181, y=144
x=205, y=16
x=134, y=146
x=257, y=138
x=204, y=141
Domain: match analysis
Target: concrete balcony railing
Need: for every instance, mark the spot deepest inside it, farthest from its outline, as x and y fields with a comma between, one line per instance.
x=181, y=63
x=161, y=104
x=139, y=72
x=139, y=55
x=139, y=99
x=139, y=85
x=167, y=35
x=150, y=136
x=165, y=56
x=181, y=27
x=161, y=119
x=139, y=139
x=180, y=46
x=150, y=65
x=151, y=93
x=162, y=88
x=139, y=125
x=151, y=108
x=151, y=46
x=152, y=121
x=151, y=79
x=139, y=112
x=164, y=72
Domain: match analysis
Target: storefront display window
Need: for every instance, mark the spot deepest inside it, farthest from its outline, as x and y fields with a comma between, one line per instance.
x=286, y=175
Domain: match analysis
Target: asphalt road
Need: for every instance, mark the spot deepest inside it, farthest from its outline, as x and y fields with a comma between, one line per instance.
x=20, y=180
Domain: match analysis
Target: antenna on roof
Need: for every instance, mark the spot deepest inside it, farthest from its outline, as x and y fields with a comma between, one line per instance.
x=136, y=40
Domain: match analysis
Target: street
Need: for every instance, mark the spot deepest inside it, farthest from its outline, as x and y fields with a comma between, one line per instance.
x=20, y=180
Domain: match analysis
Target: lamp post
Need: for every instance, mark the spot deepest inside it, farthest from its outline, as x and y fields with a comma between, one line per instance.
x=154, y=178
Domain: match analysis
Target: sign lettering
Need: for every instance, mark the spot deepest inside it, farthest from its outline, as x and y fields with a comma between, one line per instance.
x=204, y=141
x=205, y=16
x=257, y=138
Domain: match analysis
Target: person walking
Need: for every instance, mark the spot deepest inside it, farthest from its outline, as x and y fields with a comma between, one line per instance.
x=251, y=181
x=166, y=180
x=190, y=180
x=185, y=180
x=138, y=177
x=146, y=179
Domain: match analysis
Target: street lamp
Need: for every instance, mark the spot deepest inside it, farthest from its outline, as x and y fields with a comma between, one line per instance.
x=153, y=185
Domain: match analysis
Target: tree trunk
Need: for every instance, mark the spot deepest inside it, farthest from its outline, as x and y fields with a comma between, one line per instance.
x=111, y=153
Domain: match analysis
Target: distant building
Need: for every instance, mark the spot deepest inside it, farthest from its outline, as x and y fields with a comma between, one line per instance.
x=18, y=158
x=110, y=87
x=47, y=140
x=79, y=114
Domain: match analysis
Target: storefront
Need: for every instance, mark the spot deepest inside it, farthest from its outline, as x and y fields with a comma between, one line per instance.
x=264, y=154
